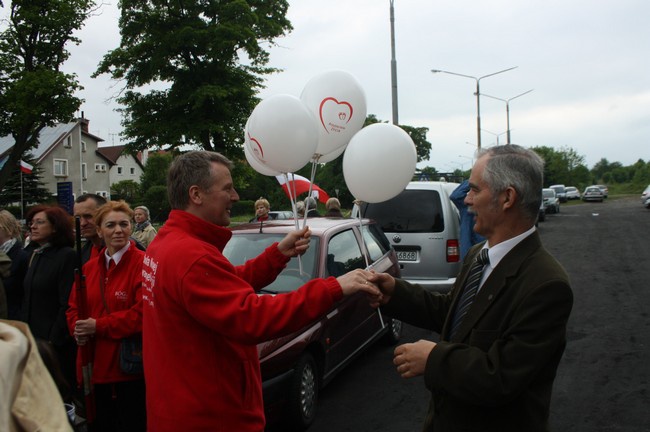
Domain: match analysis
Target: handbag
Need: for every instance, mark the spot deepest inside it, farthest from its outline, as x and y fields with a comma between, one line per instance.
x=130, y=347
x=131, y=354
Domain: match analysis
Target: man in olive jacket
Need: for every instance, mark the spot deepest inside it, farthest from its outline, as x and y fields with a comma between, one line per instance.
x=495, y=371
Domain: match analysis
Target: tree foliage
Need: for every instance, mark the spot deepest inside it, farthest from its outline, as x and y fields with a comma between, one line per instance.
x=34, y=92
x=28, y=186
x=155, y=171
x=127, y=190
x=190, y=55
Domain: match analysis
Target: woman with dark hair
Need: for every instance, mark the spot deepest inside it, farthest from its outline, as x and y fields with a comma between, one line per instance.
x=48, y=281
x=114, y=305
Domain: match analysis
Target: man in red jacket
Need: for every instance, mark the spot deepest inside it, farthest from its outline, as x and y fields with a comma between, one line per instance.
x=202, y=316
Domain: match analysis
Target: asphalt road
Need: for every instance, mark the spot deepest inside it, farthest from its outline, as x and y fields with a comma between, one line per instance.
x=602, y=382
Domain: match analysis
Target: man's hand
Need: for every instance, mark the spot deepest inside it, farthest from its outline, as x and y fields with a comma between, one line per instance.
x=411, y=358
x=295, y=243
x=386, y=283
x=357, y=280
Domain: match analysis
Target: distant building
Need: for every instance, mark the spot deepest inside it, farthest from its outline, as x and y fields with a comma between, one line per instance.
x=122, y=166
x=68, y=152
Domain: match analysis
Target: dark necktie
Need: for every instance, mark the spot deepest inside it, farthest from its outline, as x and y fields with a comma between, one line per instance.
x=471, y=286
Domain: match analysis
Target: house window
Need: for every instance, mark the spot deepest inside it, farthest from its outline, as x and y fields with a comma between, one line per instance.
x=60, y=167
x=119, y=170
x=68, y=142
x=100, y=167
x=83, y=146
x=84, y=171
x=102, y=193
x=132, y=171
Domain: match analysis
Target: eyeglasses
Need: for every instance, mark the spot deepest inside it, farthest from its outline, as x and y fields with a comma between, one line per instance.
x=37, y=222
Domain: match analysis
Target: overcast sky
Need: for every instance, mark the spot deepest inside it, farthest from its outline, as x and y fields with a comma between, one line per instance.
x=587, y=61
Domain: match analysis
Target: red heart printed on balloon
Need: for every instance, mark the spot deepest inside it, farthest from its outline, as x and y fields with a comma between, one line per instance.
x=334, y=115
x=256, y=149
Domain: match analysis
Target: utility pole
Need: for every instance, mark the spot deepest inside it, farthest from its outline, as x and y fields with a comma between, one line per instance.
x=393, y=64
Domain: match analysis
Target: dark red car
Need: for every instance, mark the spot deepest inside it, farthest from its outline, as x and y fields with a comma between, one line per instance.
x=295, y=367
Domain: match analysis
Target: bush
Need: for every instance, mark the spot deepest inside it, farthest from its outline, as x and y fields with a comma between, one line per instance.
x=156, y=200
x=243, y=207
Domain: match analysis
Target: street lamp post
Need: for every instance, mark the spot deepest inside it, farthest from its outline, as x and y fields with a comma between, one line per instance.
x=393, y=65
x=471, y=159
x=507, y=101
x=478, y=98
x=495, y=134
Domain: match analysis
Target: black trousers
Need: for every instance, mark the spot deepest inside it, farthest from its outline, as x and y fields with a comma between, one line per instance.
x=120, y=407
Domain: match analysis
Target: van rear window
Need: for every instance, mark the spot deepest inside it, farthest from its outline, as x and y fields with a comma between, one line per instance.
x=412, y=211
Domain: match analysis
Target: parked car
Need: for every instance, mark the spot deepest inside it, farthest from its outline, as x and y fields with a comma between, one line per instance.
x=604, y=189
x=645, y=195
x=646, y=203
x=295, y=367
x=541, y=216
x=422, y=224
x=280, y=214
x=550, y=201
x=572, y=193
x=593, y=193
x=560, y=192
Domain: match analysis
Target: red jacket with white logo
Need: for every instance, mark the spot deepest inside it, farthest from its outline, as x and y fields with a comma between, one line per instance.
x=122, y=292
x=202, y=320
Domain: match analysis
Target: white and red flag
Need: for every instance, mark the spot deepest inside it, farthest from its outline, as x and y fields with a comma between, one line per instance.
x=25, y=167
x=300, y=185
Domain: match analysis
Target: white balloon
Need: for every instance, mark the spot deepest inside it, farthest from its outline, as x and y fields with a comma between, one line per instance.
x=379, y=162
x=338, y=102
x=258, y=166
x=281, y=133
x=331, y=156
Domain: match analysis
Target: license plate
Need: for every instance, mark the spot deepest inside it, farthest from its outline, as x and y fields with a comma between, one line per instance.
x=407, y=255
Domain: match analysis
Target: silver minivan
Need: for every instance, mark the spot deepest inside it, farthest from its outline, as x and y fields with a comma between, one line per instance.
x=422, y=224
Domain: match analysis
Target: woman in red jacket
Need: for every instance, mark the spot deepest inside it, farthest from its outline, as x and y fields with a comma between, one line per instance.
x=114, y=304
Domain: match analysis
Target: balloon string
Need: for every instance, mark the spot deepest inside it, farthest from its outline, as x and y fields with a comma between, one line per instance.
x=365, y=255
x=292, y=198
x=363, y=239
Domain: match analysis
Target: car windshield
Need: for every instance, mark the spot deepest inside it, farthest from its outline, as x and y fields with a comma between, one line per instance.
x=243, y=247
x=548, y=193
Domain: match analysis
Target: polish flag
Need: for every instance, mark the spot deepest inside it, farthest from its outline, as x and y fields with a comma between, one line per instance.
x=25, y=167
x=301, y=186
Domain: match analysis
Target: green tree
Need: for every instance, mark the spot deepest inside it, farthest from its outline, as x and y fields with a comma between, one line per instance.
x=157, y=202
x=194, y=50
x=127, y=190
x=34, y=92
x=33, y=188
x=155, y=171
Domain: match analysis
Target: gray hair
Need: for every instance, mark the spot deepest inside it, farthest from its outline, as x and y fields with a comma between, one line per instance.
x=193, y=168
x=144, y=209
x=518, y=167
x=310, y=203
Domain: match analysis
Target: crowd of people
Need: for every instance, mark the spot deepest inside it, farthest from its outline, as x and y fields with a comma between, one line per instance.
x=198, y=318
x=38, y=287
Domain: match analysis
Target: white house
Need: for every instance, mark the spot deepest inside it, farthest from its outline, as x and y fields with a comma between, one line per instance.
x=69, y=154
x=122, y=166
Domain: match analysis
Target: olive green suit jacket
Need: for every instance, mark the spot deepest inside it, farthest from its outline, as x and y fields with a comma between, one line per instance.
x=498, y=371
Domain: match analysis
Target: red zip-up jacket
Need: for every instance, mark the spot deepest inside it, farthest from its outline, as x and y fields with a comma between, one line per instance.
x=122, y=291
x=202, y=320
